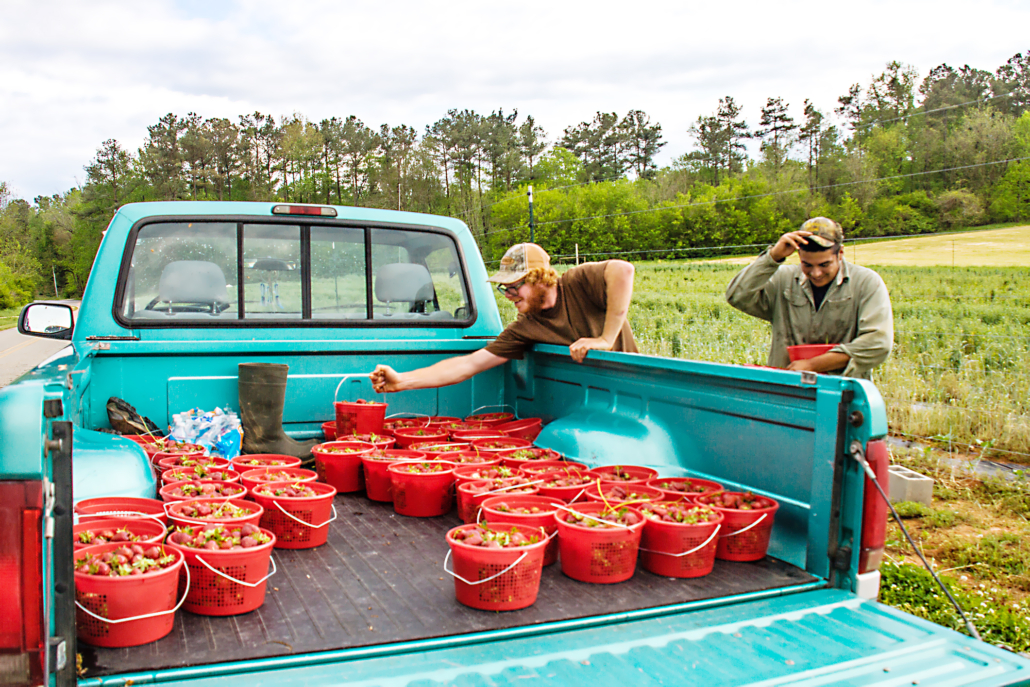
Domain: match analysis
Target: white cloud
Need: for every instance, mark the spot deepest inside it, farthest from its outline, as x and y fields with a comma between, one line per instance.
x=73, y=74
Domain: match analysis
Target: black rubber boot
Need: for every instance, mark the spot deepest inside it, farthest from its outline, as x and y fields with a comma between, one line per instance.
x=262, y=396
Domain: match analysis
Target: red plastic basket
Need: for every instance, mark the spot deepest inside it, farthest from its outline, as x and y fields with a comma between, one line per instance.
x=571, y=493
x=637, y=494
x=536, y=468
x=381, y=441
x=170, y=448
x=676, y=549
x=151, y=531
x=637, y=474
x=121, y=507
x=422, y=495
x=471, y=435
x=686, y=487
x=476, y=472
x=491, y=419
x=496, y=579
x=365, y=417
x=264, y=460
x=175, y=515
x=329, y=430
x=170, y=492
x=527, y=428
x=120, y=598
x=406, y=436
x=595, y=554
x=190, y=474
x=806, y=351
x=342, y=470
x=378, y=486
x=745, y=533
x=473, y=458
x=252, y=478
x=500, y=446
x=170, y=462
x=470, y=495
x=497, y=510
x=517, y=457
x=227, y=582
x=298, y=522
x=440, y=450
x=434, y=421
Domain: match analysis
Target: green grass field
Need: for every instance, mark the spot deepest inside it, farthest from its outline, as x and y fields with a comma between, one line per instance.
x=960, y=370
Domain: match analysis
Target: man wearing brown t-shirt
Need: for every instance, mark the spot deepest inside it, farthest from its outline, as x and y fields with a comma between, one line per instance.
x=584, y=309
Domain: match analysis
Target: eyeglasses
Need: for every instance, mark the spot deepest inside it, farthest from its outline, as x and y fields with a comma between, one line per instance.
x=511, y=289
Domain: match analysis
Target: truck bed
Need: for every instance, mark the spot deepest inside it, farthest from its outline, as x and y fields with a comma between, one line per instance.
x=379, y=580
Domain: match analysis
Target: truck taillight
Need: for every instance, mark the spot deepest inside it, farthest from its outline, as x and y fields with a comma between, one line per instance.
x=316, y=210
x=874, y=509
x=21, y=582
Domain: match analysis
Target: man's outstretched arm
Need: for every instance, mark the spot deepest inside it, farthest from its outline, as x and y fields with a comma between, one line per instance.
x=618, y=284
x=444, y=373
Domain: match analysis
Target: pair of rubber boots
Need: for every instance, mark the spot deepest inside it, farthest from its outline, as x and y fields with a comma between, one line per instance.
x=262, y=397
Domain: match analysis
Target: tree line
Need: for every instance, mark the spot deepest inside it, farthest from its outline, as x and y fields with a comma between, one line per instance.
x=874, y=161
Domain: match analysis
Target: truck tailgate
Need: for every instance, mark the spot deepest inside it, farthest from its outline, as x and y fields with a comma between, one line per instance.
x=820, y=637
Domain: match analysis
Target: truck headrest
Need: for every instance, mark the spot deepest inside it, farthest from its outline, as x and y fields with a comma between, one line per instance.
x=403, y=282
x=192, y=281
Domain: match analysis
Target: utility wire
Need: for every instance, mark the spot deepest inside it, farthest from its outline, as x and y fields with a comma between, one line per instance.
x=937, y=109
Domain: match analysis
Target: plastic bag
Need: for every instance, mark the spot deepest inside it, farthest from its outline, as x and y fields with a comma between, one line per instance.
x=219, y=431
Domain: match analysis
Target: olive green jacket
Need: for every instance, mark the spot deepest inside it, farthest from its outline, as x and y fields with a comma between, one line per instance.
x=855, y=313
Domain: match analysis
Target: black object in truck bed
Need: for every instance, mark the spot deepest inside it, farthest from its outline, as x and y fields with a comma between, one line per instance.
x=379, y=580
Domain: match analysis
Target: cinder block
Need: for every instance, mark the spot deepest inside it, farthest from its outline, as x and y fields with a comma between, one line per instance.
x=909, y=485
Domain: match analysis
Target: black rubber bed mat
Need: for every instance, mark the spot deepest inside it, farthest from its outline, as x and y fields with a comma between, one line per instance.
x=379, y=580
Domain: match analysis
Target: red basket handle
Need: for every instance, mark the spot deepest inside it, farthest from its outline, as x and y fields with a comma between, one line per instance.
x=148, y=615
x=687, y=553
x=745, y=529
x=485, y=579
x=233, y=579
x=314, y=527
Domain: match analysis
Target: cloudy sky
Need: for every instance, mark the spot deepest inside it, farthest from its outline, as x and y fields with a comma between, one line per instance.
x=74, y=73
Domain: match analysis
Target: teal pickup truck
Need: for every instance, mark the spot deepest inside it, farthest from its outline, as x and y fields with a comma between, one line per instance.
x=181, y=293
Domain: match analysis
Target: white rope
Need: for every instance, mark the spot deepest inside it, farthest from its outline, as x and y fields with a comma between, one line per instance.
x=314, y=527
x=148, y=615
x=687, y=553
x=135, y=514
x=486, y=579
x=345, y=378
x=233, y=579
x=764, y=516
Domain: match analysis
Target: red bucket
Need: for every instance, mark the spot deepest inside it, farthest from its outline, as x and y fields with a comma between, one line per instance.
x=406, y=436
x=496, y=579
x=329, y=430
x=511, y=510
x=476, y=472
x=462, y=426
x=298, y=522
x=378, y=486
x=422, y=494
x=440, y=450
x=392, y=425
x=679, y=549
x=636, y=495
x=527, y=428
x=517, y=457
x=112, y=530
x=170, y=462
x=359, y=417
x=382, y=442
x=684, y=488
x=202, y=489
x=252, y=478
x=228, y=581
x=198, y=472
x=567, y=484
x=745, y=533
x=500, y=446
x=121, y=507
x=807, y=351
x=472, y=494
x=121, y=598
x=472, y=458
x=538, y=468
x=624, y=474
x=601, y=555
x=170, y=447
x=178, y=512
x=339, y=463
x=434, y=421
x=263, y=460
x=491, y=419
x=470, y=435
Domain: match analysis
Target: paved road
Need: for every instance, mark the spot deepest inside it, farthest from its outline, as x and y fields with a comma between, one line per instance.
x=20, y=353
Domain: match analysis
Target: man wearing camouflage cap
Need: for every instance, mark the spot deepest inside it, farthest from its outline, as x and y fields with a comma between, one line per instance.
x=585, y=309
x=824, y=300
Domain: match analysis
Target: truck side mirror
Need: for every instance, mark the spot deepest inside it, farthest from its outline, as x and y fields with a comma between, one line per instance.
x=47, y=320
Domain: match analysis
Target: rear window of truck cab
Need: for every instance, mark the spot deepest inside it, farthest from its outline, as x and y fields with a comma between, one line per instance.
x=267, y=273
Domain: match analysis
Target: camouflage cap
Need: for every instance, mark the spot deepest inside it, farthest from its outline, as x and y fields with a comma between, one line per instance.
x=518, y=261
x=825, y=232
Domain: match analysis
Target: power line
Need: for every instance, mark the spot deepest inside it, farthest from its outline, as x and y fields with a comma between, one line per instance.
x=768, y=195
x=938, y=109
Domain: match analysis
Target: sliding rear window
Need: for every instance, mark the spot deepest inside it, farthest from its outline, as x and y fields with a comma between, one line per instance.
x=278, y=274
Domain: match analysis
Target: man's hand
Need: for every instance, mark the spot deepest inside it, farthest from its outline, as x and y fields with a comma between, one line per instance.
x=788, y=243
x=385, y=379
x=579, y=349
x=827, y=362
